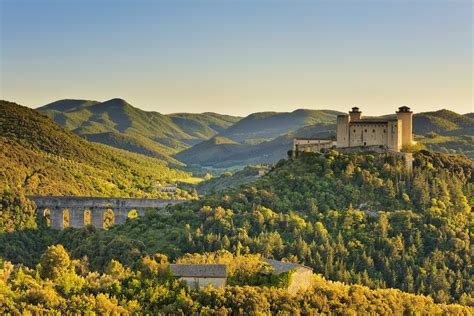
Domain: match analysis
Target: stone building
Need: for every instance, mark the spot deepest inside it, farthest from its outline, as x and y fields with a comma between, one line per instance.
x=167, y=188
x=198, y=276
x=301, y=278
x=391, y=133
x=312, y=144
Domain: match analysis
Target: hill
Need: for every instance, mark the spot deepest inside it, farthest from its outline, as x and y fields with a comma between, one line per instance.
x=269, y=125
x=117, y=123
x=40, y=157
x=231, y=154
x=361, y=219
x=227, y=180
x=60, y=285
x=443, y=122
x=445, y=131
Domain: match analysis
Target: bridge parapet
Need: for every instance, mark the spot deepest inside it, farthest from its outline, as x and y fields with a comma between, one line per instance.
x=75, y=208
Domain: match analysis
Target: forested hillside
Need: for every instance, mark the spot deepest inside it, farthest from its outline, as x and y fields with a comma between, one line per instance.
x=442, y=130
x=269, y=125
x=62, y=285
x=40, y=157
x=361, y=219
x=445, y=131
x=220, y=152
x=117, y=123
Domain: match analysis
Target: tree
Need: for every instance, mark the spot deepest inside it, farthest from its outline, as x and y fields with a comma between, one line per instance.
x=54, y=262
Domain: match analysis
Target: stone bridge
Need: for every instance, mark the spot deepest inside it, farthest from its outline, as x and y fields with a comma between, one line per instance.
x=71, y=211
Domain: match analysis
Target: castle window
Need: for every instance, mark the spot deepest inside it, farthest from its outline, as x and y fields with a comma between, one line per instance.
x=373, y=131
x=384, y=131
x=366, y=131
x=354, y=131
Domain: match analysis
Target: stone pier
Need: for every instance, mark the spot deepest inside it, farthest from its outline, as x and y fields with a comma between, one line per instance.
x=77, y=207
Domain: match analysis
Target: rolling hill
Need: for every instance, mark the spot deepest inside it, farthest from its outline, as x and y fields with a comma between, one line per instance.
x=269, y=125
x=454, y=134
x=360, y=219
x=230, y=154
x=40, y=157
x=117, y=123
x=443, y=122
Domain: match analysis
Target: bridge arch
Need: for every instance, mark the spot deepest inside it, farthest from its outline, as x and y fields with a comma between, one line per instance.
x=108, y=218
x=66, y=218
x=87, y=217
x=73, y=211
x=47, y=216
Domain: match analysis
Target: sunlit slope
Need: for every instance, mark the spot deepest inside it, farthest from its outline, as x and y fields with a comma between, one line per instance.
x=119, y=124
x=40, y=157
x=269, y=125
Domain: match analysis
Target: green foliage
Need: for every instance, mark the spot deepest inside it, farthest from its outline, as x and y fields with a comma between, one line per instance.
x=54, y=263
x=361, y=219
x=119, y=124
x=269, y=125
x=231, y=154
x=154, y=291
x=41, y=158
x=227, y=180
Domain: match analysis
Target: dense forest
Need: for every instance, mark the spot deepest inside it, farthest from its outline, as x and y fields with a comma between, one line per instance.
x=59, y=284
x=117, y=123
x=359, y=219
x=40, y=157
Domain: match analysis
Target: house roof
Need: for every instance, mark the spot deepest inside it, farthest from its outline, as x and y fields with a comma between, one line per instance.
x=281, y=267
x=199, y=270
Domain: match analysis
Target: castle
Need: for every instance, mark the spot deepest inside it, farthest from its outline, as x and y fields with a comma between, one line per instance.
x=392, y=133
x=355, y=133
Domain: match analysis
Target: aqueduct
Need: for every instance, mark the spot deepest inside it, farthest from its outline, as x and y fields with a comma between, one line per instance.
x=76, y=209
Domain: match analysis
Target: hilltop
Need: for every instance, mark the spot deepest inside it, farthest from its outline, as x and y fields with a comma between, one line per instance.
x=269, y=125
x=117, y=123
x=442, y=130
x=40, y=157
x=360, y=219
x=221, y=142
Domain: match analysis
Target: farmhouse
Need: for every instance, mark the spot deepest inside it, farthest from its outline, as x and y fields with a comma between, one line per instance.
x=301, y=277
x=198, y=276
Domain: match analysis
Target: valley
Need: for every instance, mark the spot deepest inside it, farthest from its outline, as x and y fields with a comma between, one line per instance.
x=363, y=222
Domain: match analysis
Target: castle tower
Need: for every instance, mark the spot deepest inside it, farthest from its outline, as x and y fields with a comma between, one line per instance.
x=406, y=116
x=355, y=114
x=343, y=130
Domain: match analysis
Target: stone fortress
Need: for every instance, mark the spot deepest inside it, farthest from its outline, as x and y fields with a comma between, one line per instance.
x=355, y=133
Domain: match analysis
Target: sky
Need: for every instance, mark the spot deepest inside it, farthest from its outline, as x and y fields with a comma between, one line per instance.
x=239, y=57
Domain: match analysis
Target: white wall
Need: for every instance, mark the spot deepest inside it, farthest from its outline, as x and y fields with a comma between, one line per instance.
x=195, y=283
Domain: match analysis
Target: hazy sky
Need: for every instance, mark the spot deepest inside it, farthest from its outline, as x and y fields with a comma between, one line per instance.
x=239, y=57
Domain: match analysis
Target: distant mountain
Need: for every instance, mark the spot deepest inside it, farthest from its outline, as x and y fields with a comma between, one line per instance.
x=252, y=140
x=119, y=124
x=220, y=152
x=269, y=125
x=40, y=157
x=443, y=122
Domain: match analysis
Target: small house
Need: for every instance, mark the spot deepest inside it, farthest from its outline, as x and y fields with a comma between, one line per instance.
x=198, y=276
x=301, y=276
x=168, y=188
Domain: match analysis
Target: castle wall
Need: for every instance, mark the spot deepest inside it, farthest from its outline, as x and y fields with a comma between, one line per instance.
x=367, y=134
x=407, y=129
x=343, y=130
x=395, y=135
x=312, y=145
